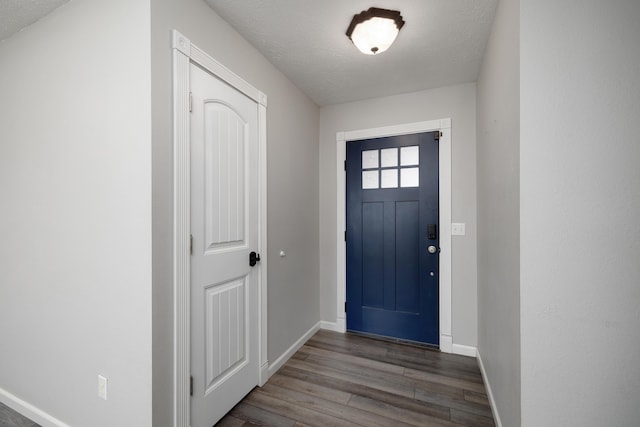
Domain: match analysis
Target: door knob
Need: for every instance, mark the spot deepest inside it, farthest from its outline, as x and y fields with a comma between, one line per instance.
x=253, y=258
x=432, y=249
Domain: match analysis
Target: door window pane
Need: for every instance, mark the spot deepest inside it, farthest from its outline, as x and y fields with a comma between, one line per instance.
x=410, y=156
x=369, y=179
x=389, y=178
x=410, y=177
x=389, y=157
x=369, y=159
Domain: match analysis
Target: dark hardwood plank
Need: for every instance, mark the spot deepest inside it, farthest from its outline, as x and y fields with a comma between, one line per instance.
x=402, y=402
x=361, y=379
x=454, y=369
x=471, y=420
x=460, y=404
x=404, y=415
x=311, y=388
x=291, y=410
x=351, y=380
x=473, y=396
x=383, y=380
x=9, y=417
x=346, y=348
x=300, y=356
x=252, y=414
x=231, y=421
x=353, y=359
x=343, y=412
x=437, y=355
x=444, y=379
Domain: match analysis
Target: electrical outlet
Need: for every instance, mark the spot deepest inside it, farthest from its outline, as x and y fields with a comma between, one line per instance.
x=102, y=387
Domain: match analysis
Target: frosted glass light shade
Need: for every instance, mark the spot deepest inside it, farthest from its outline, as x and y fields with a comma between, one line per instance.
x=375, y=35
x=374, y=30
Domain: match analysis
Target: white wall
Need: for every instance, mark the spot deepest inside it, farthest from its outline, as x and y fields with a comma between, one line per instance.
x=580, y=205
x=499, y=213
x=292, y=156
x=75, y=182
x=456, y=102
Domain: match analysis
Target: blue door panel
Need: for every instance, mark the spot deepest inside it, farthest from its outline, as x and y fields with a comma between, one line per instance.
x=389, y=302
x=387, y=323
x=392, y=281
x=373, y=254
x=407, y=263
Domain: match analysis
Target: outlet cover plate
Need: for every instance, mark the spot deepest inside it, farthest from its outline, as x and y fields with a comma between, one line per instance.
x=102, y=387
x=458, y=229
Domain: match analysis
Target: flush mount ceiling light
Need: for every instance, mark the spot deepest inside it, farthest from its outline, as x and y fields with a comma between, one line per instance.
x=374, y=30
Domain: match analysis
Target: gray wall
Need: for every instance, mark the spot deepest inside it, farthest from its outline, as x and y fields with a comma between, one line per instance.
x=499, y=213
x=75, y=181
x=580, y=205
x=456, y=102
x=292, y=139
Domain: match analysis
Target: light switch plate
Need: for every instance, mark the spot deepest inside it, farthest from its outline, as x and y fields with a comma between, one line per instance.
x=457, y=228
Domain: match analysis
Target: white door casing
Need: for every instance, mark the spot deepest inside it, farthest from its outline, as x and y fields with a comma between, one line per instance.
x=444, y=125
x=226, y=247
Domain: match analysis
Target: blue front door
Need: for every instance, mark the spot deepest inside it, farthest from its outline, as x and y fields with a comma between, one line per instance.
x=392, y=222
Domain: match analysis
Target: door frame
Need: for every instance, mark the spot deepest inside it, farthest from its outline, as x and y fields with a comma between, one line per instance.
x=184, y=54
x=444, y=190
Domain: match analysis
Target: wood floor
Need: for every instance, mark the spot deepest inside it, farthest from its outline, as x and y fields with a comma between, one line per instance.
x=348, y=380
x=10, y=418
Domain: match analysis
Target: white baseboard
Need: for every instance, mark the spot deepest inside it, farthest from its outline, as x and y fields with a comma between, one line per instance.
x=29, y=411
x=340, y=325
x=280, y=361
x=331, y=326
x=464, y=350
x=487, y=385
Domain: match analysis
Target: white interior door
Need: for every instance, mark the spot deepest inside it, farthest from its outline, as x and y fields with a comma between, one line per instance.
x=224, y=228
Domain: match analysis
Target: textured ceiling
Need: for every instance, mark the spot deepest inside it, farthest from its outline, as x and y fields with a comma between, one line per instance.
x=441, y=44
x=17, y=14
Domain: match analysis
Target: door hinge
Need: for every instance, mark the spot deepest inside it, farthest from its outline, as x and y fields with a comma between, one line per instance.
x=345, y=235
x=190, y=101
x=191, y=385
x=191, y=244
x=436, y=135
x=345, y=165
x=345, y=306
